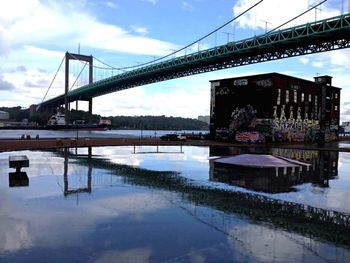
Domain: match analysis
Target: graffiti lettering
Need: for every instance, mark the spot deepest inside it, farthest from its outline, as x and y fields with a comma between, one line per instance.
x=264, y=83
x=240, y=82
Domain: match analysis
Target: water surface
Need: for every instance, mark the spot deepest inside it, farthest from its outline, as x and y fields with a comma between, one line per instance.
x=136, y=205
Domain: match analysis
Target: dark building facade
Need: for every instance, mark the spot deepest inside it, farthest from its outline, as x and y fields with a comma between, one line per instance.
x=274, y=107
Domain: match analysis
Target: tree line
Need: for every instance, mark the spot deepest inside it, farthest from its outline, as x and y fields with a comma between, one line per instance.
x=117, y=122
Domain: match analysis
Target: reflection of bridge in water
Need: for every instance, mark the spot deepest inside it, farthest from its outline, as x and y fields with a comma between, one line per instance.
x=84, y=182
x=309, y=221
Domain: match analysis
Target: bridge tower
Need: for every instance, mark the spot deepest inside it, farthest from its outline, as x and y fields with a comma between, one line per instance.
x=88, y=59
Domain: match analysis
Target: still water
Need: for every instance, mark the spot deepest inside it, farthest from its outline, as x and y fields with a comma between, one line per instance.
x=17, y=134
x=126, y=204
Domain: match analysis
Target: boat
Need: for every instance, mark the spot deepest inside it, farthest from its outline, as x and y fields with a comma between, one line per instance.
x=58, y=122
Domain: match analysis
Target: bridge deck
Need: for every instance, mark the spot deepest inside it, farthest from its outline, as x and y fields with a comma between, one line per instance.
x=320, y=36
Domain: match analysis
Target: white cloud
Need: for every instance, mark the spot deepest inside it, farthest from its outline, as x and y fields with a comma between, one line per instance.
x=340, y=58
x=5, y=85
x=111, y=4
x=304, y=60
x=151, y=1
x=30, y=31
x=186, y=99
x=187, y=6
x=317, y=64
x=50, y=23
x=42, y=52
x=140, y=30
x=276, y=12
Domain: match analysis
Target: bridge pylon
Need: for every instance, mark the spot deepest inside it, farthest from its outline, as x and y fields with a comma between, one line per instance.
x=88, y=59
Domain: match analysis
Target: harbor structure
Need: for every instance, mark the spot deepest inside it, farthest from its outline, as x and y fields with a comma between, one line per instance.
x=274, y=107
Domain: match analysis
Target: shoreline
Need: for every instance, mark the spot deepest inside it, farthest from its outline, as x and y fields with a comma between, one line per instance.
x=37, y=144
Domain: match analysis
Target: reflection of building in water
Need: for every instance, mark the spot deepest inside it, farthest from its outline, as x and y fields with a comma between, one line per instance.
x=274, y=180
x=324, y=163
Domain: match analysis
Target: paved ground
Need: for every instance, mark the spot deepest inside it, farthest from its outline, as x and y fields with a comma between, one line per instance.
x=34, y=144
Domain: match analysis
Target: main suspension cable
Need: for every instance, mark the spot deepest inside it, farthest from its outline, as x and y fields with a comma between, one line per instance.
x=194, y=42
x=303, y=13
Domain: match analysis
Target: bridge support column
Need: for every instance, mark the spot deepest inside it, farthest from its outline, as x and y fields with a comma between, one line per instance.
x=88, y=59
x=90, y=110
x=66, y=88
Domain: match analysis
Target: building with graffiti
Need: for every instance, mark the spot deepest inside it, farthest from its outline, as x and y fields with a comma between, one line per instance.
x=274, y=107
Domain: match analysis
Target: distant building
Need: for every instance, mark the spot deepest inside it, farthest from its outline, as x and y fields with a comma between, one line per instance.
x=4, y=115
x=205, y=119
x=105, y=121
x=274, y=107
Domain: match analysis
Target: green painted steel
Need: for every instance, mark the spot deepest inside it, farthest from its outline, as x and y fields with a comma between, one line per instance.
x=320, y=36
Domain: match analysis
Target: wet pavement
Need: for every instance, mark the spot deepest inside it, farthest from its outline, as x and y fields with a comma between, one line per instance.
x=172, y=204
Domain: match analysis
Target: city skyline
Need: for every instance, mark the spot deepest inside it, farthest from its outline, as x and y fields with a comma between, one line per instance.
x=36, y=34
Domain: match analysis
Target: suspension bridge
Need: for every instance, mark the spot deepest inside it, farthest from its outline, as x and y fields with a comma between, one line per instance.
x=310, y=38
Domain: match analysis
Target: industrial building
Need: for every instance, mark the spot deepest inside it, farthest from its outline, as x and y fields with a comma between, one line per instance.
x=274, y=107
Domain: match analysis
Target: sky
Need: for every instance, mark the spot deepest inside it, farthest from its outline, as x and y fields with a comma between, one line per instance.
x=35, y=34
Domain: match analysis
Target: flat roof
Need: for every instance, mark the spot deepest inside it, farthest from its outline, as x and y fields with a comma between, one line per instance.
x=274, y=74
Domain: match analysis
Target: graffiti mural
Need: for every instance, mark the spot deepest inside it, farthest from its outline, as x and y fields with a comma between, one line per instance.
x=246, y=127
x=274, y=108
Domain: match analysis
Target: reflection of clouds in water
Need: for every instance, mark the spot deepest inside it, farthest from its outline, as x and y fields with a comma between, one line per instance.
x=339, y=200
x=14, y=232
x=136, y=255
x=122, y=154
x=125, y=159
x=344, y=161
x=197, y=258
x=45, y=166
x=110, y=150
x=40, y=163
x=65, y=224
x=137, y=204
x=300, y=197
x=266, y=245
x=201, y=158
x=119, y=155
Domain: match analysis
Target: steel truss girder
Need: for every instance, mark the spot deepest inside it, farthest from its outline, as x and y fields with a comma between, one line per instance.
x=233, y=62
x=320, y=36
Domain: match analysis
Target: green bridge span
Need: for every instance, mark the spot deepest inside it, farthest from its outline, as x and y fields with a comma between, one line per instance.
x=320, y=36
